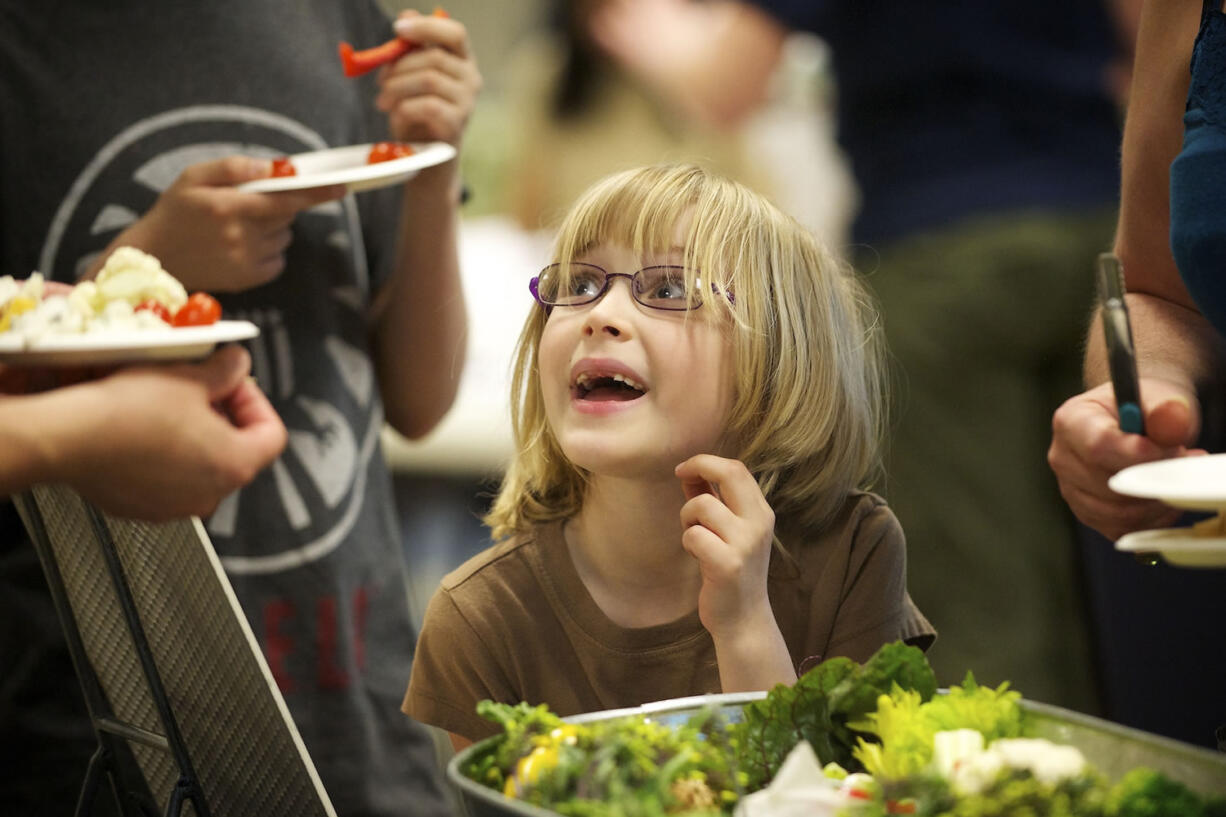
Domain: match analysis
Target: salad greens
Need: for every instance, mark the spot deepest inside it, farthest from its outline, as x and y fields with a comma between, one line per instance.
x=883, y=717
x=1146, y=793
x=905, y=725
x=630, y=767
x=825, y=707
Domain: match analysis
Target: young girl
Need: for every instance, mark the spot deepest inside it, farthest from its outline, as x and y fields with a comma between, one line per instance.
x=697, y=401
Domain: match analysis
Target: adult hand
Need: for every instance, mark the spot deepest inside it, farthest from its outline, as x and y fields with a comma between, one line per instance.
x=728, y=527
x=429, y=93
x=167, y=442
x=215, y=238
x=1088, y=447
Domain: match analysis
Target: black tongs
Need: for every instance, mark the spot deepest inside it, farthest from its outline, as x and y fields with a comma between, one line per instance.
x=1121, y=355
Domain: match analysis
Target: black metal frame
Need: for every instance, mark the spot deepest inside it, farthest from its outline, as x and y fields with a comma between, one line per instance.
x=113, y=758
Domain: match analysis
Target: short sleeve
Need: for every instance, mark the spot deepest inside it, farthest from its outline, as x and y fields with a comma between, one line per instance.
x=453, y=670
x=876, y=608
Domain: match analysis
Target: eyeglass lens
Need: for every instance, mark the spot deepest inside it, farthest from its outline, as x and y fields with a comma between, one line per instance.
x=575, y=284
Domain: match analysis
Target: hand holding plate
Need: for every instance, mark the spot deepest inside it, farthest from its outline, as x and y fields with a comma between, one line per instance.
x=216, y=238
x=1088, y=447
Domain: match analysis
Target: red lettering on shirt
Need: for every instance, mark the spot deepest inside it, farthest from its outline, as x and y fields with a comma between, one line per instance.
x=331, y=674
x=277, y=645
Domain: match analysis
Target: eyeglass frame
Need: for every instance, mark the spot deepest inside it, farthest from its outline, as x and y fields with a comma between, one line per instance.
x=534, y=286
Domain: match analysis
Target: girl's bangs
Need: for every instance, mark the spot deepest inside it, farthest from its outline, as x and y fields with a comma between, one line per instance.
x=638, y=210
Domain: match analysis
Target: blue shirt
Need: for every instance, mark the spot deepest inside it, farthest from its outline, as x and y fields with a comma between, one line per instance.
x=950, y=109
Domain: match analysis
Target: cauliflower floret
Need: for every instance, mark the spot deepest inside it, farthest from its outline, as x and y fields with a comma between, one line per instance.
x=134, y=276
x=8, y=289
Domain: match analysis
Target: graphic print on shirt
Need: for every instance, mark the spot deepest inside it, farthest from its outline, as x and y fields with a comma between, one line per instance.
x=317, y=485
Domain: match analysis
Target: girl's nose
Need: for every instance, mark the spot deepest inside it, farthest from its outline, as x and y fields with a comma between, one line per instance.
x=611, y=313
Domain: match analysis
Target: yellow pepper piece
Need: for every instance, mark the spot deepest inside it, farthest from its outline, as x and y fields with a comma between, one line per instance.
x=15, y=307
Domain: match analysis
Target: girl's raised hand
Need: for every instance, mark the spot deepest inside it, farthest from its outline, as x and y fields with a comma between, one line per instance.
x=728, y=527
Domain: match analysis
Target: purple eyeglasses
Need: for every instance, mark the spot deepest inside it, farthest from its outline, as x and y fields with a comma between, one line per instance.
x=577, y=284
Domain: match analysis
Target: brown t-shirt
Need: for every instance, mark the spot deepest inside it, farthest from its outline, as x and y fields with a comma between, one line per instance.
x=516, y=623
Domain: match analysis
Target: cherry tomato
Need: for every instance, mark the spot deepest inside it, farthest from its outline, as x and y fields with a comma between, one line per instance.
x=386, y=151
x=156, y=307
x=283, y=167
x=201, y=309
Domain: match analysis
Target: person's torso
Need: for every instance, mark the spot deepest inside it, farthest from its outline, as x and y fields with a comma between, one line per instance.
x=571, y=655
x=952, y=109
x=104, y=106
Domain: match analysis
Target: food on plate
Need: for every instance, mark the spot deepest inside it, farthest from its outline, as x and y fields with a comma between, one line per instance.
x=131, y=292
x=283, y=166
x=201, y=309
x=844, y=741
x=547, y=762
x=357, y=63
x=386, y=151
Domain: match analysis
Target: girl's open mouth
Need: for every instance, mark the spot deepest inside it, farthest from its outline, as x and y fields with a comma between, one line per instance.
x=604, y=388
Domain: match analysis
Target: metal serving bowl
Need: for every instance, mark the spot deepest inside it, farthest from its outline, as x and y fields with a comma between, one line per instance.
x=1113, y=749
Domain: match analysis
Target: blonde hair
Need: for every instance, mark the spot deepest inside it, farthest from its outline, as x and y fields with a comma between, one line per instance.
x=808, y=410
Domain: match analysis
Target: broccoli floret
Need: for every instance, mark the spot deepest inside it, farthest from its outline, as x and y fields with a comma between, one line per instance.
x=1144, y=792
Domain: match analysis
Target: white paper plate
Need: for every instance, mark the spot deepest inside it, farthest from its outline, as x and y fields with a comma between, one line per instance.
x=348, y=166
x=1177, y=546
x=137, y=345
x=1195, y=483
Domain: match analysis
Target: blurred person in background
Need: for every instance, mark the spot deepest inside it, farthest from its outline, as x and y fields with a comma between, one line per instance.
x=580, y=116
x=1163, y=638
x=983, y=138
x=133, y=123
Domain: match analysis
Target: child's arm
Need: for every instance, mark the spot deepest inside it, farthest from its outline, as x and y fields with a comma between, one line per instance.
x=728, y=527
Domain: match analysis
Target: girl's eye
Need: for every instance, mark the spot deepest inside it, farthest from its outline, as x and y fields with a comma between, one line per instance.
x=663, y=283
x=584, y=284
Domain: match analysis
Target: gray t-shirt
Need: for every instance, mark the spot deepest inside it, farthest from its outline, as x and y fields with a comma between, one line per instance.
x=104, y=105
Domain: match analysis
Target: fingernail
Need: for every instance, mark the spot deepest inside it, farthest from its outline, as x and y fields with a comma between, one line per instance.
x=261, y=168
x=403, y=26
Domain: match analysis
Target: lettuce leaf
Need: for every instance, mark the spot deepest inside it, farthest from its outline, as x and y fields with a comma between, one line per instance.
x=822, y=708
x=900, y=732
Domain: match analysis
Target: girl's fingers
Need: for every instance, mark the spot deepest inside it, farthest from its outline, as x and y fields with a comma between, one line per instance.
x=707, y=510
x=729, y=479
x=718, y=560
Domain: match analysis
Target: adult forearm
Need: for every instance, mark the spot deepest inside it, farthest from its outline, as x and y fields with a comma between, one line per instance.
x=38, y=437
x=1173, y=342
x=420, y=317
x=1153, y=136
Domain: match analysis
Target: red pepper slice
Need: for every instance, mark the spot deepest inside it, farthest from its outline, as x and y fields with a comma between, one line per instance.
x=356, y=63
x=283, y=167
x=386, y=151
x=156, y=307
